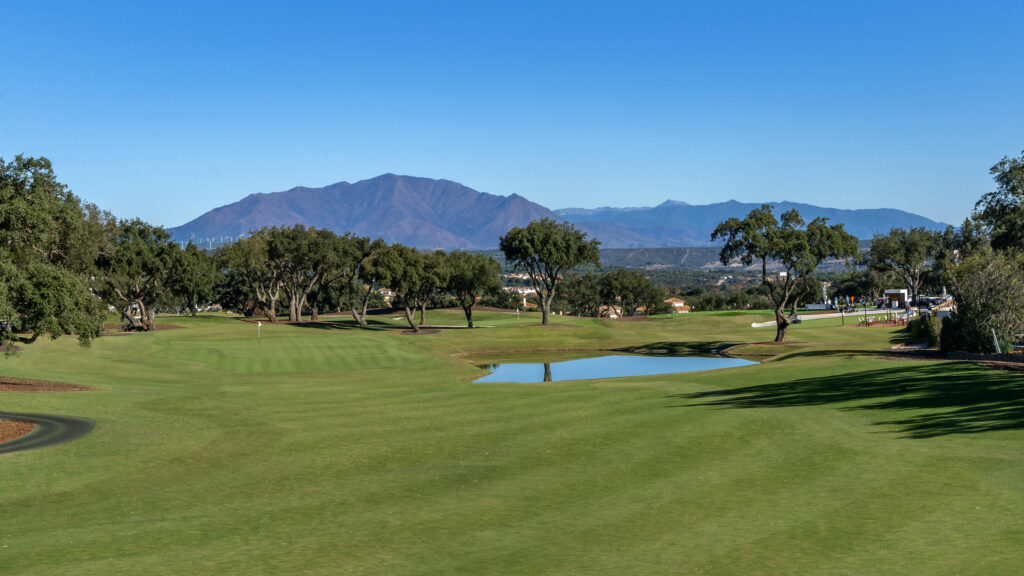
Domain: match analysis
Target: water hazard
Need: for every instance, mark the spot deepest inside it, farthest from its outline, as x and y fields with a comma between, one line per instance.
x=612, y=366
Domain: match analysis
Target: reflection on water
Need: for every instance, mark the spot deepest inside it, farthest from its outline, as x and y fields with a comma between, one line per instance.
x=613, y=366
x=494, y=368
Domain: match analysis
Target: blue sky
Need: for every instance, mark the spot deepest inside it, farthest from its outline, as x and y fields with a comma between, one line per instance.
x=166, y=110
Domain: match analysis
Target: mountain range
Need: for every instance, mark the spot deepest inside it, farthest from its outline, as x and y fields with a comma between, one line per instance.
x=428, y=213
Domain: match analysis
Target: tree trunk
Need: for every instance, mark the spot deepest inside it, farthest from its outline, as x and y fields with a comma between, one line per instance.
x=361, y=318
x=410, y=316
x=423, y=313
x=781, y=324
x=128, y=316
x=469, y=315
x=148, y=317
x=545, y=308
x=314, y=314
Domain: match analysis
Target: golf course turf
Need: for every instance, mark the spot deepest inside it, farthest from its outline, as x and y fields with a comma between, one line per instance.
x=328, y=449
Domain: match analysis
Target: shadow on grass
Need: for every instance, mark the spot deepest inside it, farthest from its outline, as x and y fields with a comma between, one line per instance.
x=827, y=353
x=348, y=325
x=936, y=399
x=670, y=348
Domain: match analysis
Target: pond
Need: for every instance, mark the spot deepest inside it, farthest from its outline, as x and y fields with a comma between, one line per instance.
x=611, y=366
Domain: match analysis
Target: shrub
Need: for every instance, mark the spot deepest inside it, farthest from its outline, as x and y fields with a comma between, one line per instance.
x=926, y=327
x=989, y=296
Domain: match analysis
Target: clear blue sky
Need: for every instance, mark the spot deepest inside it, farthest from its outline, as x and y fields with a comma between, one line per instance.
x=166, y=110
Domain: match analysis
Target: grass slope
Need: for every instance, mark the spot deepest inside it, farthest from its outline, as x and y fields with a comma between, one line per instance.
x=333, y=450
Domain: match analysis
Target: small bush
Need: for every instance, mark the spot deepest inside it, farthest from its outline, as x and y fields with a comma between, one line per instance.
x=926, y=327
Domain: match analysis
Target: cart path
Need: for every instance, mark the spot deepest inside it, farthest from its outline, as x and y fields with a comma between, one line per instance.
x=805, y=317
x=48, y=431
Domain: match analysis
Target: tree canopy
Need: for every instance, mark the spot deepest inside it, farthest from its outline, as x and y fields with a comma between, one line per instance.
x=906, y=252
x=546, y=249
x=193, y=277
x=1002, y=210
x=796, y=248
x=401, y=269
x=46, y=237
x=989, y=296
x=471, y=276
x=629, y=290
x=138, y=271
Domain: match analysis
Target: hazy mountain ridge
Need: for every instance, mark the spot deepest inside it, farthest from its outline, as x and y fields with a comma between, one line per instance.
x=429, y=213
x=679, y=224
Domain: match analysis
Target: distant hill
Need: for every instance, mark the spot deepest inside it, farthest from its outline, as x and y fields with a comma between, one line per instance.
x=428, y=213
x=419, y=212
x=674, y=223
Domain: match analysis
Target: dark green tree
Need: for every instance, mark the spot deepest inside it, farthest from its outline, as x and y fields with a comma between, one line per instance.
x=194, y=277
x=302, y=255
x=989, y=296
x=48, y=244
x=434, y=280
x=794, y=248
x=581, y=295
x=471, y=276
x=137, y=273
x=546, y=249
x=906, y=252
x=1002, y=210
x=357, y=273
x=251, y=272
x=402, y=270
x=233, y=290
x=629, y=290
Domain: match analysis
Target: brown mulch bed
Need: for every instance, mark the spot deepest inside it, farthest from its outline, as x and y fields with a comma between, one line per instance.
x=11, y=429
x=23, y=385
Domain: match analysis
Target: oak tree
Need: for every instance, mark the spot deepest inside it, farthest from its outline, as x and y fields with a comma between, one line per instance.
x=1002, y=210
x=546, y=249
x=137, y=272
x=788, y=244
x=905, y=252
x=48, y=244
x=471, y=276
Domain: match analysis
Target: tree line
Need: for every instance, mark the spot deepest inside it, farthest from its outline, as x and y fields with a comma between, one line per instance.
x=64, y=264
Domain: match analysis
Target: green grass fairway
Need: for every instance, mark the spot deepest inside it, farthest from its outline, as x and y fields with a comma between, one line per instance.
x=332, y=450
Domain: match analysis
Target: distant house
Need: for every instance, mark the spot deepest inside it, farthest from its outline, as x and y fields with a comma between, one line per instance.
x=897, y=298
x=522, y=292
x=678, y=305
